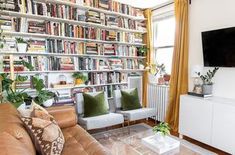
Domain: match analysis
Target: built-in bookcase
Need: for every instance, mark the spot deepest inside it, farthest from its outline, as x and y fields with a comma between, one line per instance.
x=99, y=38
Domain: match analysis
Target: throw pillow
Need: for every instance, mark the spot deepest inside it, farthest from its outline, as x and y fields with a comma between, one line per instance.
x=130, y=100
x=94, y=105
x=45, y=133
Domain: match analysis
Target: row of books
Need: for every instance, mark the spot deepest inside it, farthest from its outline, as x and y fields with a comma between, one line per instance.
x=41, y=63
x=31, y=6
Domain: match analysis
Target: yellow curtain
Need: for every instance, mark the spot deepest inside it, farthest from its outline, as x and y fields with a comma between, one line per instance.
x=179, y=74
x=148, y=42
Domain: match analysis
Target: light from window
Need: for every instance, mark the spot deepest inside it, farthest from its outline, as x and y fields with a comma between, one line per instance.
x=164, y=34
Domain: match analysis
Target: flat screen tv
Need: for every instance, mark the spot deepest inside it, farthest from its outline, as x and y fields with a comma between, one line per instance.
x=219, y=47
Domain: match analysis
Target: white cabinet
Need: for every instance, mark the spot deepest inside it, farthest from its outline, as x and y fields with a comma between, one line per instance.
x=211, y=121
x=195, y=118
x=223, y=136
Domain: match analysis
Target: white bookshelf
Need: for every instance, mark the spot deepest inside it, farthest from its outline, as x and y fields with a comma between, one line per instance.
x=83, y=7
x=73, y=22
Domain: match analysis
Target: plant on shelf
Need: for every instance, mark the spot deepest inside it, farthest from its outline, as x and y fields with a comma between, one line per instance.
x=163, y=129
x=80, y=78
x=207, y=80
x=21, y=45
x=43, y=96
x=142, y=51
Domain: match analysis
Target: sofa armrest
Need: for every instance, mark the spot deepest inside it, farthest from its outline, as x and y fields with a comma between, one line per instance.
x=65, y=116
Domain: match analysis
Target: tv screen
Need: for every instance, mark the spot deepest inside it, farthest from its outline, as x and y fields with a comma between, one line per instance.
x=219, y=47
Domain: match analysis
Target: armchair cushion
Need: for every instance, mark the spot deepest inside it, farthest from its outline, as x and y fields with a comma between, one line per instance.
x=138, y=114
x=101, y=121
x=94, y=105
x=130, y=100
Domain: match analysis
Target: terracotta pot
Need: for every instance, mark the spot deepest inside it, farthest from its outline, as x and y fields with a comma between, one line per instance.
x=167, y=77
x=78, y=81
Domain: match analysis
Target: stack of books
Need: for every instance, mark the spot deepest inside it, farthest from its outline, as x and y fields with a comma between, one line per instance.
x=138, y=38
x=104, y=4
x=115, y=63
x=109, y=49
x=111, y=21
x=93, y=16
x=111, y=35
x=66, y=64
x=5, y=23
x=37, y=45
x=91, y=48
x=36, y=26
x=10, y=5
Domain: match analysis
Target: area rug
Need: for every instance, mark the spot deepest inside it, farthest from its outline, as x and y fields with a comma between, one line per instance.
x=127, y=141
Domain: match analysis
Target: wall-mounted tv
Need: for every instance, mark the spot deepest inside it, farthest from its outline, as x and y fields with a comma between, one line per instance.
x=219, y=47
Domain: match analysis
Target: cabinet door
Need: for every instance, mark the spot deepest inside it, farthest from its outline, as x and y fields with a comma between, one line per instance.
x=223, y=136
x=195, y=118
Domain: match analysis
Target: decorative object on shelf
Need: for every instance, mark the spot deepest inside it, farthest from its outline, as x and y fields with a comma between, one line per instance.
x=196, y=79
x=207, y=86
x=21, y=45
x=43, y=97
x=80, y=78
x=62, y=79
x=166, y=78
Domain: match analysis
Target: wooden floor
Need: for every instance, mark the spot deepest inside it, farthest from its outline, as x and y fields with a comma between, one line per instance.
x=151, y=122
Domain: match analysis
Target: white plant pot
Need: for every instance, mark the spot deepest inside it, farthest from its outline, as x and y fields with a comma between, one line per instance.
x=160, y=138
x=48, y=103
x=22, y=47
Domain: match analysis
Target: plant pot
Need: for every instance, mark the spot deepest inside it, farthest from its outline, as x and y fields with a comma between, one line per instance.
x=160, y=138
x=48, y=103
x=207, y=89
x=78, y=81
x=22, y=47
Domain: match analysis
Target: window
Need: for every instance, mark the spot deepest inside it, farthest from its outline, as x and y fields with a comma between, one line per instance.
x=163, y=37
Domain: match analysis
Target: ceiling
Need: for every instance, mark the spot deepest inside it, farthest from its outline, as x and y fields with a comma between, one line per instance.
x=143, y=3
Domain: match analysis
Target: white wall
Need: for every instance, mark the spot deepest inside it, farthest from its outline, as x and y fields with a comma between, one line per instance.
x=208, y=15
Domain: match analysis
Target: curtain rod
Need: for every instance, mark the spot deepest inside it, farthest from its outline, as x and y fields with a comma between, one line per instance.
x=163, y=5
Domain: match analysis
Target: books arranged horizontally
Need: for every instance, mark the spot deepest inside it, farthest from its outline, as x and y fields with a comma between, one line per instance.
x=200, y=95
x=51, y=63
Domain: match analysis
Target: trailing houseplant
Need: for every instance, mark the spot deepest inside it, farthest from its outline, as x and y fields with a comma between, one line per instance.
x=21, y=45
x=43, y=96
x=80, y=78
x=2, y=39
x=207, y=86
x=142, y=51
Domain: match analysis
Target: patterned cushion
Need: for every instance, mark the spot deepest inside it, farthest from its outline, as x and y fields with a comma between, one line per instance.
x=45, y=132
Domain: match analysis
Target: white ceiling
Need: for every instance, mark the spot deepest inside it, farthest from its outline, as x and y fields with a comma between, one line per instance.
x=143, y=3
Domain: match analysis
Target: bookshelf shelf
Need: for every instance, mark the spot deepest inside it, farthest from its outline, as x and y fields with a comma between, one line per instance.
x=71, y=55
x=80, y=86
x=39, y=17
x=73, y=71
x=46, y=36
x=83, y=7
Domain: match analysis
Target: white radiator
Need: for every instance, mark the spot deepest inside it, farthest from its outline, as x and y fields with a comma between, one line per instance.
x=158, y=97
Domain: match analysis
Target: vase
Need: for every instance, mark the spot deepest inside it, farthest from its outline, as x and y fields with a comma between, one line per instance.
x=48, y=103
x=78, y=81
x=22, y=47
x=160, y=138
x=207, y=89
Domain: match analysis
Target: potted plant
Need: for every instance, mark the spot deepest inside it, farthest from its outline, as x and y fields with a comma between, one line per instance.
x=79, y=78
x=21, y=45
x=8, y=91
x=207, y=85
x=43, y=97
x=142, y=51
x=161, y=131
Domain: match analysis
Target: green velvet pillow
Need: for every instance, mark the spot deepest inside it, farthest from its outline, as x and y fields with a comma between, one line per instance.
x=94, y=105
x=130, y=100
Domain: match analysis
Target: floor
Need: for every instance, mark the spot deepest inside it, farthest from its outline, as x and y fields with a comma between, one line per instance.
x=151, y=122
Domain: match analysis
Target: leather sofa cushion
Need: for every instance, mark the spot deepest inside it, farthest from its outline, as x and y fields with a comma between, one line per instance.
x=78, y=141
x=12, y=129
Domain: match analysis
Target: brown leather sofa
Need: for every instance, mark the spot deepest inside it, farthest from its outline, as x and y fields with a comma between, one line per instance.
x=14, y=139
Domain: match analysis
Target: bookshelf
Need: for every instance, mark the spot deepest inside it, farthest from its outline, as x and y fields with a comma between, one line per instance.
x=100, y=39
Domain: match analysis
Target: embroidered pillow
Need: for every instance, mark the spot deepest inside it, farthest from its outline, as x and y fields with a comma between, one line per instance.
x=45, y=132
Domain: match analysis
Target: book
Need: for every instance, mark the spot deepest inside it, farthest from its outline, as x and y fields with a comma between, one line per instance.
x=200, y=95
